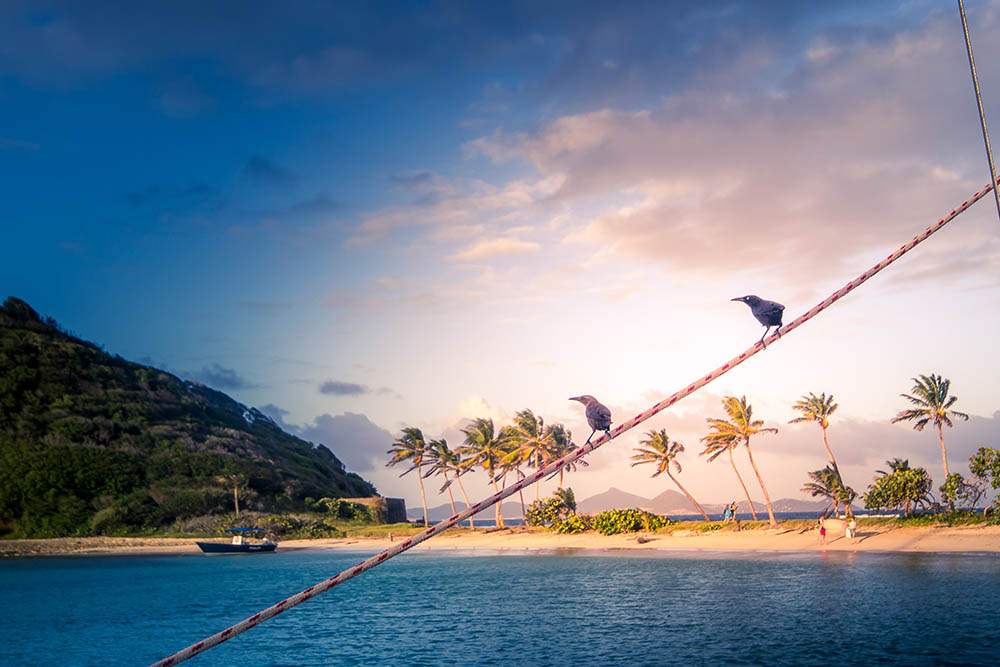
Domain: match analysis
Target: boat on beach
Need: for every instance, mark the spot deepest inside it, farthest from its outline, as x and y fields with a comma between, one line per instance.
x=245, y=541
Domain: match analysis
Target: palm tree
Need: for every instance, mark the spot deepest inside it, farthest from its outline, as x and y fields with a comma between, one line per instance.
x=930, y=395
x=662, y=451
x=443, y=461
x=531, y=442
x=741, y=427
x=483, y=449
x=715, y=444
x=818, y=409
x=828, y=484
x=237, y=480
x=562, y=444
x=411, y=446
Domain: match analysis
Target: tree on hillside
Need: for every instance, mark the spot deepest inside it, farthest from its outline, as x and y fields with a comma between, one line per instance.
x=739, y=428
x=903, y=488
x=828, y=484
x=443, y=461
x=412, y=447
x=661, y=451
x=933, y=404
x=237, y=481
x=484, y=449
x=818, y=409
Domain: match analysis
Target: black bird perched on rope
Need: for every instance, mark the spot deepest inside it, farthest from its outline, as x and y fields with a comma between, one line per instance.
x=767, y=313
x=598, y=416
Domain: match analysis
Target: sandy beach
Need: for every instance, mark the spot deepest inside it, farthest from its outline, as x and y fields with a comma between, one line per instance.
x=935, y=539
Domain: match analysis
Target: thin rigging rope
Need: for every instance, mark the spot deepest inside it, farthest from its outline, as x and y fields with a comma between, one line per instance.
x=553, y=467
x=979, y=102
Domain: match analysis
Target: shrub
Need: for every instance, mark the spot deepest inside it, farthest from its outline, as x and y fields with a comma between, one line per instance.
x=542, y=512
x=614, y=522
x=574, y=524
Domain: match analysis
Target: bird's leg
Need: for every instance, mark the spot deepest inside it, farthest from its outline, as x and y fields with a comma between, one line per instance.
x=763, y=337
x=591, y=436
x=778, y=331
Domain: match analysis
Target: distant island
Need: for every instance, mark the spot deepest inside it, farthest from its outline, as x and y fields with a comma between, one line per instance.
x=92, y=444
x=669, y=503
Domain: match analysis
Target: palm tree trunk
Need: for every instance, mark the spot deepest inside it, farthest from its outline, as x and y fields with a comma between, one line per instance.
x=829, y=452
x=520, y=492
x=499, y=519
x=538, y=484
x=451, y=497
x=767, y=498
x=423, y=498
x=745, y=492
x=689, y=496
x=236, y=498
x=472, y=523
x=944, y=452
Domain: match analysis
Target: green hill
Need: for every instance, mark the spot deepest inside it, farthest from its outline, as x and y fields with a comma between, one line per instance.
x=93, y=444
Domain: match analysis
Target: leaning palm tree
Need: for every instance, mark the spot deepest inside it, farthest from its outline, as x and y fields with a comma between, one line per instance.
x=530, y=442
x=722, y=441
x=483, y=448
x=411, y=447
x=562, y=444
x=662, y=451
x=818, y=409
x=443, y=461
x=930, y=395
x=742, y=426
x=435, y=449
x=828, y=484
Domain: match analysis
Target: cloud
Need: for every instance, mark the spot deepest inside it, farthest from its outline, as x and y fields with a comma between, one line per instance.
x=755, y=181
x=336, y=388
x=218, y=377
x=263, y=171
x=497, y=247
x=356, y=441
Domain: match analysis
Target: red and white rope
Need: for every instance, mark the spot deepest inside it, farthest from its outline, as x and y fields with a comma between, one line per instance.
x=553, y=467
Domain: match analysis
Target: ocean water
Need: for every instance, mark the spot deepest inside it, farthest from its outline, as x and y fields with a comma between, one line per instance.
x=442, y=607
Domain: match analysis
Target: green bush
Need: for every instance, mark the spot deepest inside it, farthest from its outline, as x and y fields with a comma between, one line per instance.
x=574, y=524
x=614, y=522
x=542, y=512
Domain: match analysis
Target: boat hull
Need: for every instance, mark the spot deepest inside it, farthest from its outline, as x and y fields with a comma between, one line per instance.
x=220, y=548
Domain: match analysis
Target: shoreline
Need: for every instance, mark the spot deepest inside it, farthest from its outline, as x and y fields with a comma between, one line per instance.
x=928, y=539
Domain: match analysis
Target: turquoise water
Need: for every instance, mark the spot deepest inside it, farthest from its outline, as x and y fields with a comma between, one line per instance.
x=513, y=608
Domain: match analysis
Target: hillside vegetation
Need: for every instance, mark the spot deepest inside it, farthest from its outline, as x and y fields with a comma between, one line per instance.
x=93, y=444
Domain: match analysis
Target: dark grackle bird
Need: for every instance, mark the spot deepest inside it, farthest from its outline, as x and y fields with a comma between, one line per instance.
x=598, y=416
x=767, y=313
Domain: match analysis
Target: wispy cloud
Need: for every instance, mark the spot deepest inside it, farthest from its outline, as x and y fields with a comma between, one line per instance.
x=338, y=388
x=498, y=247
x=219, y=377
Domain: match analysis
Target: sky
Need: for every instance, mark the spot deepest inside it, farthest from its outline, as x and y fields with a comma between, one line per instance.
x=364, y=216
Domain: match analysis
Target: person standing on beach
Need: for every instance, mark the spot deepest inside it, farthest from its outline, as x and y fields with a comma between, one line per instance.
x=852, y=529
x=822, y=532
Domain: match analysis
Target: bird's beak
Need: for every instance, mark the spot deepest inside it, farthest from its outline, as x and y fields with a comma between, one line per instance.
x=573, y=398
x=739, y=298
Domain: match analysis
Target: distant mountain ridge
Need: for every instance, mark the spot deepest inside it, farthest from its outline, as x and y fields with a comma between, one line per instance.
x=92, y=443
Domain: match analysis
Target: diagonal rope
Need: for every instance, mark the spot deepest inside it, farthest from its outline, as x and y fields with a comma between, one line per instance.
x=979, y=102
x=553, y=467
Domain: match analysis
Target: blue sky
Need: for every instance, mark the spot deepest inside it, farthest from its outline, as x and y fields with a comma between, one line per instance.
x=358, y=217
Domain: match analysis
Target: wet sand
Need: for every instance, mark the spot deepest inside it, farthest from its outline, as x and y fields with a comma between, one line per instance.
x=936, y=539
